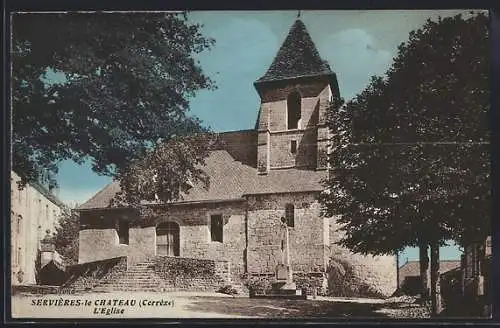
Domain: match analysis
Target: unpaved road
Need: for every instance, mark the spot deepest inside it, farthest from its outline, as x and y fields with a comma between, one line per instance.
x=186, y=305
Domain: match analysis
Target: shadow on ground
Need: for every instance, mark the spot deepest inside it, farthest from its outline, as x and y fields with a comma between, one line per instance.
x=275, y=308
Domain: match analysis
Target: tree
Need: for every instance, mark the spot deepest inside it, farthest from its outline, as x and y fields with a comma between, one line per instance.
x=410, y=154
x=66, y=236
x=165, y=173
x=123, y=84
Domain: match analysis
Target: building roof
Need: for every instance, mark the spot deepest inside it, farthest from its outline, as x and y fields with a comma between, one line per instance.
x=230, y=180
x=412, y=268
x=297, y=57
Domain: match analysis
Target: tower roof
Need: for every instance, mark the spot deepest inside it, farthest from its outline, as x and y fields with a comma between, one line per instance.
x=296, y=57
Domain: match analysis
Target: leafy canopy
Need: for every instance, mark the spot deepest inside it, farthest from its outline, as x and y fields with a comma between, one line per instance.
x=410, y=154
x=122, y=85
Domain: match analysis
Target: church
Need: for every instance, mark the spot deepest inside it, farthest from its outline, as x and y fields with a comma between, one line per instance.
x=263, y=182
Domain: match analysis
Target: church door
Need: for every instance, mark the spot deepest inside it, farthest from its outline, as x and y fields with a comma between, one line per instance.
x=167, y=239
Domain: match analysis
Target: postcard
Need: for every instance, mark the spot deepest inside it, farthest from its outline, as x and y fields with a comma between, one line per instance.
x=250, y=164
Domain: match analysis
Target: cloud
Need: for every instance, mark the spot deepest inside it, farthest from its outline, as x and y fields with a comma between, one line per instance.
x=355, y=57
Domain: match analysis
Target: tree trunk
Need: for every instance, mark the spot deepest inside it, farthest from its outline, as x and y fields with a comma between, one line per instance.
x=397, y=272
x=424, y=270
x=435, y=283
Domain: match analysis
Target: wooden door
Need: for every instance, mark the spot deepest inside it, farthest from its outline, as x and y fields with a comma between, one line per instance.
x=167, y=239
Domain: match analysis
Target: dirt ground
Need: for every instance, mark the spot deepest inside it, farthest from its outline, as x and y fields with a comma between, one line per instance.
x=193, y=305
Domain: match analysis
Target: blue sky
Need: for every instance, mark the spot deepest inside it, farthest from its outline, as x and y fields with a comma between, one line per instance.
x=357, y=44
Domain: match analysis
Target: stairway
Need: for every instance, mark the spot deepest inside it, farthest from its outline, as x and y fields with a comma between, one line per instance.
x=139, y=277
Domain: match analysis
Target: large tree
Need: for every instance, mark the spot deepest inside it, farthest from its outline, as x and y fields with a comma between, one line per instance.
x=102, y=86
x=410, y=154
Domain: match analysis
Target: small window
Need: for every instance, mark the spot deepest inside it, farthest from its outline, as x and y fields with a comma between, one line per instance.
x=293, y=146
x=19, y=255
x=216, y=227
x=290, y=215
x=47, y=212
x=123, y=231
x=18, y=224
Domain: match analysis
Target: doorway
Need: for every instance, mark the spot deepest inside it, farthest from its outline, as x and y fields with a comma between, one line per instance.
x=167, y=239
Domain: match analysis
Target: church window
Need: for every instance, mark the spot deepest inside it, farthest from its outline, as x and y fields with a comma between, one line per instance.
x=293, y=146
x=216, y=227
x=294, y=110
x=123, y=231
x=19, y=255
x=290, y=215
x=18, y=224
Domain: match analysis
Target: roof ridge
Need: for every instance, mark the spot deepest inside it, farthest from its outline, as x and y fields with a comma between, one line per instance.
x=101, y=191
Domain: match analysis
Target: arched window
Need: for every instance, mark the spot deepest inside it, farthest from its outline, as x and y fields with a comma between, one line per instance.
x=290, y=215
x=294, y=110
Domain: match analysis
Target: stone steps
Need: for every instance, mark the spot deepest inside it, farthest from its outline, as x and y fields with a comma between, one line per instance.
x=142, y=277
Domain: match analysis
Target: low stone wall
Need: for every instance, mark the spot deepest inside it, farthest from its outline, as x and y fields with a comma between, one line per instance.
x=88, y=275
x=312, y=282
x=355, y=275
x=192, y=274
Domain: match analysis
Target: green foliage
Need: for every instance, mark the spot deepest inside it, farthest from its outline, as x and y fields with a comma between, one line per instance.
x=411, y=153
x=259, y=283
x=165, y=173
x=123, y=84
x=66, y=237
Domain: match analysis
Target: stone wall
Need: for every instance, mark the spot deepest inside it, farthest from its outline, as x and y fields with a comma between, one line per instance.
x=142, y=244
x=194, y=230
x=315, y=97
x=352, y=274
x=308, y=245
x=88, y=275
x=281, y=155
x=191, y=274
x=99, y=244
x=195, y=238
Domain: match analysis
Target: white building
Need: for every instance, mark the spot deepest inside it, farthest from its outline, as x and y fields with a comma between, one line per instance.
x=34, y=211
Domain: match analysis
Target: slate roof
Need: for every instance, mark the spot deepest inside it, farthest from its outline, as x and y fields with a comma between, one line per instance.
x=296, y=57
x=230, y=180
x=412, y=268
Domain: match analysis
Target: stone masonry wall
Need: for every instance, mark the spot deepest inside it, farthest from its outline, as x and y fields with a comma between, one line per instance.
x=281, y=155
x=352, y=274
x=194, y=231
x=88, y=275
x=195, y=238
x=191, y=274
x=307, y=239
x=99, y=244
x=273, y=116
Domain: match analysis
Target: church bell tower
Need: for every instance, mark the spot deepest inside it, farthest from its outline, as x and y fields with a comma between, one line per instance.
x=295, y=93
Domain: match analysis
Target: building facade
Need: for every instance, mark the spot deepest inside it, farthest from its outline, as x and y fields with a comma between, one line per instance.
x=258, y=179
x=34, y=212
